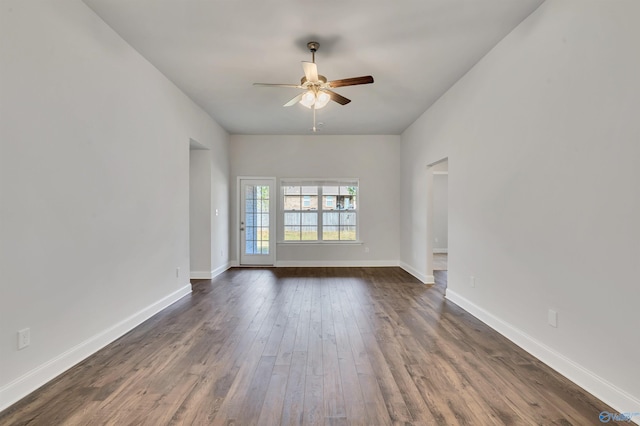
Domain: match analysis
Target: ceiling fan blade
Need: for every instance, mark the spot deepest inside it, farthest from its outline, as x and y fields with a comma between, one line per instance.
x=310, y=71
x=296, y=86
x=294, y=100
x=338, y=98
x=367, y=79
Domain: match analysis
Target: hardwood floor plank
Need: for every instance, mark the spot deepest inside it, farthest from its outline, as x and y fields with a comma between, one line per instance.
x=271, y=410
x=313, y=401
x=333, y=346
x=255, y=394
x=292, y=411
x=314, y=362
x=301, y=332
x=332, y=383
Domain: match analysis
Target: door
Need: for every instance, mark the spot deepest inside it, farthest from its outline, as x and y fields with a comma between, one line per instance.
x=257, y=222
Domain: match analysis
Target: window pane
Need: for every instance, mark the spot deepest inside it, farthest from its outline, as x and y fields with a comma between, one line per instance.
x=312, y=203
x=309, y=226
x=292, y=219
x=331, y=233
x=349, y=194
x=251, y=247
x=291, y=190
x=292, y=233
x=309, y=219
x=330, y=219
x=330, y=226
x=300, y=226
x=309, y=197
x=328, y=202
x=262, y=192
x=348, y=218
x=347, y=233
x=310, y=233
x=291, y=197
x=250, y=192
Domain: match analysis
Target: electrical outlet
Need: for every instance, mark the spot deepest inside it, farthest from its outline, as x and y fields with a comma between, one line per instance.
x=366, y=249
x=435, y=239
x=178, y=272
x=221, y=253
x=552, y=318
x=473, y=281
x=24, y=338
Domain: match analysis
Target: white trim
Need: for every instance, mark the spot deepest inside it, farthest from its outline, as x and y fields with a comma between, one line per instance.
x=321, y=242
x=440, y=250
x=426, y=279
x=27, y=383
x=336, y=263
x=589, y=381
x=208, y=275
x=200, y=275
x=220, y=269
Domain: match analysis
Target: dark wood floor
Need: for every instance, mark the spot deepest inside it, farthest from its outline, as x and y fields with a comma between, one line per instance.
x=360, y=346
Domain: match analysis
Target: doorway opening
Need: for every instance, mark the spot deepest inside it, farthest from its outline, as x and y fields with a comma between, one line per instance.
x=199, y=211
x=438, y=221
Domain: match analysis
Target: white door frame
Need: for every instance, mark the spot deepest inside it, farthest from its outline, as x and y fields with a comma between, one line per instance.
x=258, y=260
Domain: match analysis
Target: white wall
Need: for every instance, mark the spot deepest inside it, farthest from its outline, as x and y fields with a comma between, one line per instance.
x=542, y=140
x=94, y=188
x=200, y=213
x=375, y=160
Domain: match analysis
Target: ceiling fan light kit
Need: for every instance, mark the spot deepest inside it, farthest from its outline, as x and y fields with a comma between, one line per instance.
x=317, y=90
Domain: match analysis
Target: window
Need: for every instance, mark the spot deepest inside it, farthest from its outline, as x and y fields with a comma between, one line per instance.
x=329, y=200
x=320, y=210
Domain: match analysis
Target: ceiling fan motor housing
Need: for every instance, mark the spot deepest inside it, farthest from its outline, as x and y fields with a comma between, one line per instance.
x=321, y=79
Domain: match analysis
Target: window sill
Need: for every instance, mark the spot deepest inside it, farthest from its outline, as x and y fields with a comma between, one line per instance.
x=321, y=243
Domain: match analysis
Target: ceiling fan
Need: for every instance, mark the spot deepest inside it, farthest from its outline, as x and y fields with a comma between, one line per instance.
x=317, y=90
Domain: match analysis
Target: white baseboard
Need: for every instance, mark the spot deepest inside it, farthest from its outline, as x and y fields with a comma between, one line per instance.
x=426, y=279
x=592, y=383
x=336, y=263
x=200, y=275
x=220, y=269
x=207, y=275
x=440, y=250
x=27, y=383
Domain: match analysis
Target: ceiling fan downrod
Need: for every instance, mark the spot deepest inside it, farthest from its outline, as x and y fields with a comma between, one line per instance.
x=313, y=47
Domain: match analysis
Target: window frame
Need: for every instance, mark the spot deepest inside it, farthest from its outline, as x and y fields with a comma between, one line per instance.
x=318, y=183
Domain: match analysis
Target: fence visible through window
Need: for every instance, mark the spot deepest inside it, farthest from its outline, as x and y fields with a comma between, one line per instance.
x=326, y=212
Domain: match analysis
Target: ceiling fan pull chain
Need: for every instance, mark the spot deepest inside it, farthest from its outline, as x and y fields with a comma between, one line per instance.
x=314, y=118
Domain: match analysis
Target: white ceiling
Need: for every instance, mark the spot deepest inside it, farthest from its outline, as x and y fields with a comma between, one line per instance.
x=215, y=49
